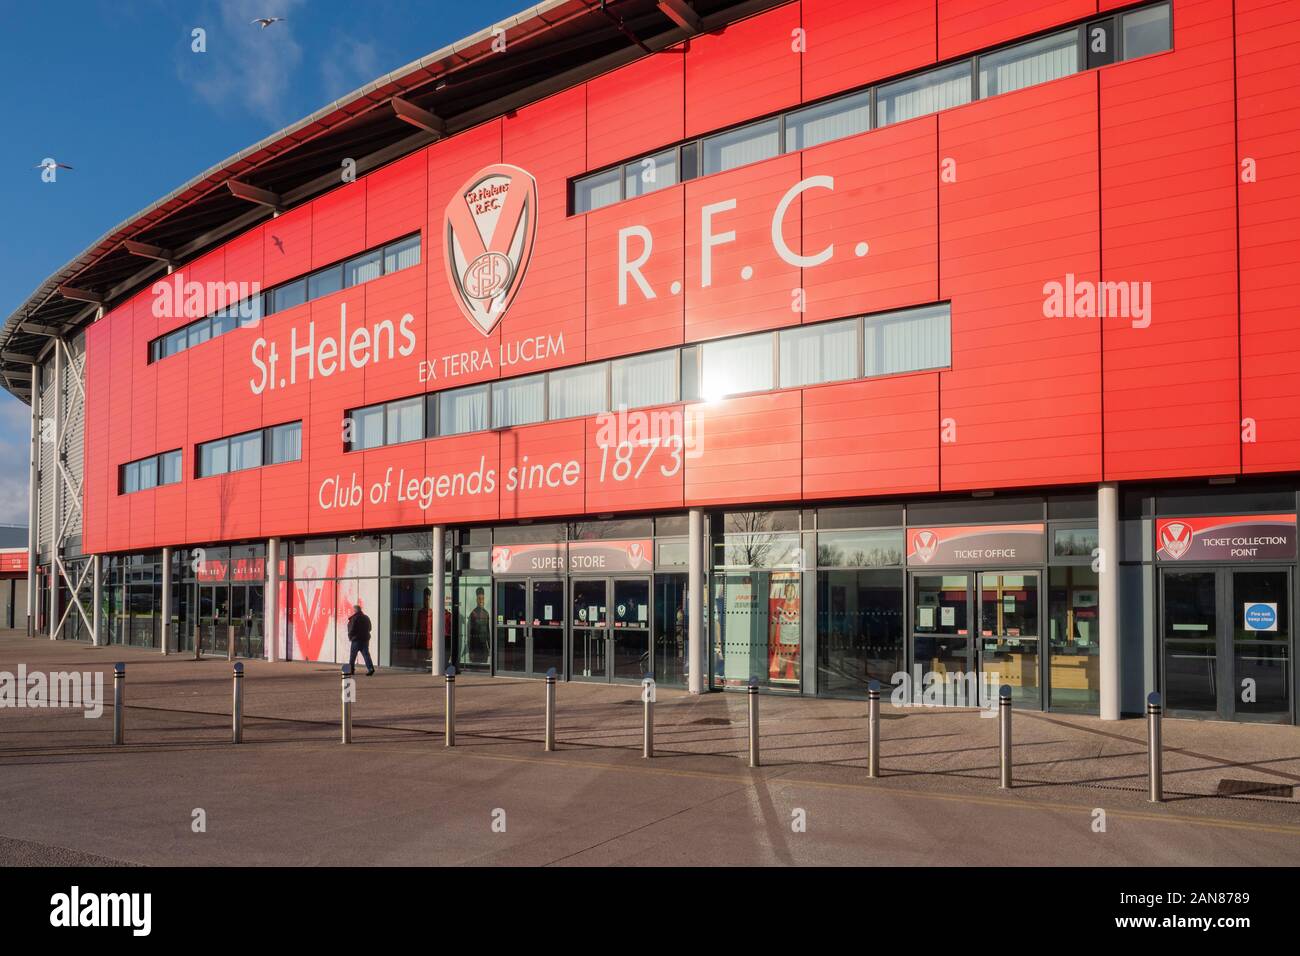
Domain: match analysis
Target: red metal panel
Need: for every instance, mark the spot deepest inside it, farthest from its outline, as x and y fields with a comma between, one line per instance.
x=541, y=469
x=190, y=293
x=334, y=473
x=900, y=34
x=121, y=345
x=241, y=406
x=885, y=196
x=466, y=471
x=338, y=223
x=1268, y=136
x=393, y=477
x=757, y=436
x=286, y=245
x=742, y=71
x=168, y=512
x=396, y=197
x=967, y=25
x=1023, y=396
x=287, y=494
x=239, y=504
x=636, y=108
x=878, y=437
x=638, y=323
x=1169, y=218
x=96, y=446
x=636, y=460
x=731, y=303
x=548, y=140
x=172, y=428
x=244, y=257
x=144, y=378
x=460, y=353
x=141, y=507
x=395, y=308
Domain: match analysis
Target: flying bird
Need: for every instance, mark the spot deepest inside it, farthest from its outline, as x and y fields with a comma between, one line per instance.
x=51, y=164
x=265, y=22
x=279, y=243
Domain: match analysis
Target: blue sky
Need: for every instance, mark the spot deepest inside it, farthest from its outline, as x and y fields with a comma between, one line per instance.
x=114, y=90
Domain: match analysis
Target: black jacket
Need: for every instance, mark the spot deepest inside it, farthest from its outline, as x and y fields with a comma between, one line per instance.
x=359, y=627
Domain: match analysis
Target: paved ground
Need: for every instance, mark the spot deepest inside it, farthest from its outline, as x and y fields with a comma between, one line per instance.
x=293, y=794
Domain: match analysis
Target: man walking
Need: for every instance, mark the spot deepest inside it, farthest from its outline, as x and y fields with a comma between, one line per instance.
x=359, y=635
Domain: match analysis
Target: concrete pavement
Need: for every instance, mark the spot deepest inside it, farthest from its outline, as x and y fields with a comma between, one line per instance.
x=292, y=794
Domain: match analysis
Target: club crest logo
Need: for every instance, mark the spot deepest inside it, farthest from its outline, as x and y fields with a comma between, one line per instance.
x=1175, y=539
x=488, y=231
x=925, y=543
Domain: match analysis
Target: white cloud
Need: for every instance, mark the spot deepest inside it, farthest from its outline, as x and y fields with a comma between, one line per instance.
x=245, y=66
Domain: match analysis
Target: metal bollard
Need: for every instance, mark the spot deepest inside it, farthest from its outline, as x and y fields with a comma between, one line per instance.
x=198, y=642
x=449, y=730
x=1155, y=748
x=753, y=722
x=119, y=702
x=873, y=729
x=237, y=705
x=648, y=724
x=230, y=642
x=1004, y=722
x=550, y=709
x=348, y=684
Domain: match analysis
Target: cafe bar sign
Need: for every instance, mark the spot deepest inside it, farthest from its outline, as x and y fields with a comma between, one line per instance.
x=575, y=557
x=976, y=545
x=1230, y=538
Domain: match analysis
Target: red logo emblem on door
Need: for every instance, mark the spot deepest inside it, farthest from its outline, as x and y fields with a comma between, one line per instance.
x=925, y=544
x=1175, y=539
x=489, y=229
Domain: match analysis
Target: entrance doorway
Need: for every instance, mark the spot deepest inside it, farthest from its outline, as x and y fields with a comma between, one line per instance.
x=611, y=628
x=1226, y=643
x=981, y=622
x=530, y=626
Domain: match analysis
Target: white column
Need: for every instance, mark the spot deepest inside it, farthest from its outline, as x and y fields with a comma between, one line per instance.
x=166, y=599
x=696, y=651
x=97, y=597
x=1108, y=598
x=56, y=516
x=438, y=609
x=33, y=501
x=271, y=600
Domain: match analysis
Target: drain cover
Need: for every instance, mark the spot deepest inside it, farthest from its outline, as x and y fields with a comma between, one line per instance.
x=1255, y=788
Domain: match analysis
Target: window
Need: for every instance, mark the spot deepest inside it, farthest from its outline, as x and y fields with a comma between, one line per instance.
x=860, y=549
x=176, y=342
x=170, y=468
x=578, y=391
x=284, y=443
x=1047, y=58
x=363, y=268
x=131, y=477
x=214, y=458
x=715, y=370
x=1146, y=31
x=199, y=332
x=921, y=95
x=1099, y=42
x=246, y=451
x=324, y=282
x=249, y=312
x=148, y=473
x=906, y=341
x=651, y=173
x=402, y=254
x=642, y=380
x=463, y=410
x=836, y=119
x=739, y=147
x=819, y=353
x=405, y=420
x=602, y=189
x=519, y=402
x=290, y=294
x=367, y=428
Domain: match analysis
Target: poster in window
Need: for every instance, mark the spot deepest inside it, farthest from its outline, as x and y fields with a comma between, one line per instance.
x=784, y=622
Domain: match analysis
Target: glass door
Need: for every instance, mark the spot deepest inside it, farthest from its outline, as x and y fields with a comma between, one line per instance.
x=590, y=617
x=671, y=621
x=1008, y=644
x=546, y=635
x=941, y=625
x=630, y=636
x=512, y=627
x=1261, y=644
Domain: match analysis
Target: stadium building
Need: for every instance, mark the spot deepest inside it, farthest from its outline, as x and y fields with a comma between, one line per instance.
x=808, y=342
